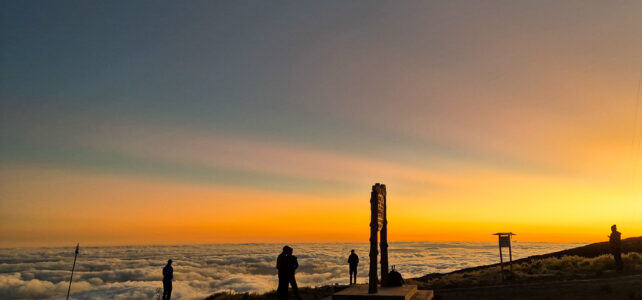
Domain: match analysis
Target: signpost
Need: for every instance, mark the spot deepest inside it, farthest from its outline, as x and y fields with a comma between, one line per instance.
x=378, y=222
x=504, y=242
x=378, y=290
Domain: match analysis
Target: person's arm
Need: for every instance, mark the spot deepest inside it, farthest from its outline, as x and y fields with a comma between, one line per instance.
x=357, y=259
x=296, y=263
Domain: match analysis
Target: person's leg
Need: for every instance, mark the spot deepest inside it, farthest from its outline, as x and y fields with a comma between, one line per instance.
x=618, y=261
x=282, y=290
x=165, y=290
x=355, y=275
x=295, y=288
x=350, y=272
x=169, y=292
x=614, y=253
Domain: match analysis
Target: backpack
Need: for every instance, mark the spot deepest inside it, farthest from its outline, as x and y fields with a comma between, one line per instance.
x=394, y=278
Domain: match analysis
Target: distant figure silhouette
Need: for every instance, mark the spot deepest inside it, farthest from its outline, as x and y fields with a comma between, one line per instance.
x=353, y=261
x=616, y=247
x=287, y=263
x=168, y=276
x=395, y=278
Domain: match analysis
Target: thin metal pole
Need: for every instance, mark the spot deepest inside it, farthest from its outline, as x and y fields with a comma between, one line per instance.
x=72, y=271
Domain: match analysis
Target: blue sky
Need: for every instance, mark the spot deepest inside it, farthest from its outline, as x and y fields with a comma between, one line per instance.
x=326, y=98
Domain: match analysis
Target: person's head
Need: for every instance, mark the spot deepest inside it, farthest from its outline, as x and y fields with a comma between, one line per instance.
x=169, y=261
x=352, y=251
x=614, y=228
x=288, y=250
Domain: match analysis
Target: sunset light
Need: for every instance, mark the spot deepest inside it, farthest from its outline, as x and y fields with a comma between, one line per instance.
x=165, y=123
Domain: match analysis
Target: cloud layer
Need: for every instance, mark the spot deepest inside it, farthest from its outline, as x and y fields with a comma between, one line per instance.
x=134, y=272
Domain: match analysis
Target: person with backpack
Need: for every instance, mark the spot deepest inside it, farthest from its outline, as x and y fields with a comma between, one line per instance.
x=395, y=278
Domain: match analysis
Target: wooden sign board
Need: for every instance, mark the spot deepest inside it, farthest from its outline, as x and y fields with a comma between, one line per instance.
x=504, y=241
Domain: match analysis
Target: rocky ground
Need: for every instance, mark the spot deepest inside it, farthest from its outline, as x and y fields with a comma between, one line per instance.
x=614, y=287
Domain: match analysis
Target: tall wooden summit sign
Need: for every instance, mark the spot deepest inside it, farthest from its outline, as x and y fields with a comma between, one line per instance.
x=379, y=226
x=378, y=223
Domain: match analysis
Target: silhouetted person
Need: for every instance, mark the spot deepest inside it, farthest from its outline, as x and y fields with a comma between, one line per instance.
x=287, y=263
x=615, y=244
x=353, y=261
x=282, y=290
x=168, y=276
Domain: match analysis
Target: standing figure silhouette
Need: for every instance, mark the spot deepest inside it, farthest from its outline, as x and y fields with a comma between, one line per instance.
x=353, y=261
x=615, y=243
x=286, y=264
x=168, y=276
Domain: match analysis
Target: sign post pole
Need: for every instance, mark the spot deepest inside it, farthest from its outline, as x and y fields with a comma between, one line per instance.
x=501, y=262
x=504, y=241
x=510, y=257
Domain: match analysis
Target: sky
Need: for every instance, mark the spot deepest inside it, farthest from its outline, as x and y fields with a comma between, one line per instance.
x=157, y=122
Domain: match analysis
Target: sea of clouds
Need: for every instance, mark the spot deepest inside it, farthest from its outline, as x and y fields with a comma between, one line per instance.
x=134, y=272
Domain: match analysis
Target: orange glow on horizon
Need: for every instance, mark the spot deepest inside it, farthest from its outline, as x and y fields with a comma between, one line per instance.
x=110, y=210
